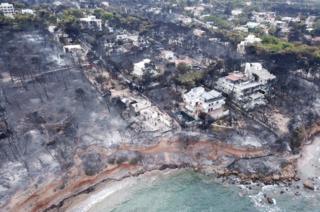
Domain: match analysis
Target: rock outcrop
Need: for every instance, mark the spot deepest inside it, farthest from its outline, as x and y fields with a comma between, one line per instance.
x=308, y=184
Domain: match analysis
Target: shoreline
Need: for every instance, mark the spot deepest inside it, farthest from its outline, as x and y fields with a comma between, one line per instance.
x=115, y=193
x=105, y=190
x=84, y=202
x=173, y=154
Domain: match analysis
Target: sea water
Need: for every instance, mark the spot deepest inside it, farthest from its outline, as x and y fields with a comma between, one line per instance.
x=187, y=191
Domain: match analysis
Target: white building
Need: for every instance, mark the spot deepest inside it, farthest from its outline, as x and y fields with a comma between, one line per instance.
x=146, y=116
x=105, y=4
x=128, y=38
x=310, y=23
x=27, y=11
x=198, y=32
x=249, y=40
x=198, y=101
x=236, y=12
x=283, y=26
x=91, y=22
x=185, y=20
x=252, y=25
x=154, y=10
x=241, y=29
x=7, y=9
x=52, y=28
x=264, y=17
x=143, y=67
x=248, y=88
x=72, y=48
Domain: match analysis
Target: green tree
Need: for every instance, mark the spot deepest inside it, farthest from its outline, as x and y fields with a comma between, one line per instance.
x=219, y=22
x=183, y=67
x=4, y=21
x=69, y=21
x=100, y=13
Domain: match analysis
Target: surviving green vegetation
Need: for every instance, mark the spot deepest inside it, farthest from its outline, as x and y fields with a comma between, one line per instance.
x=188, y=77
x=24, y=21
x=100, y=13
x=275, y=45
x=68, y=21
x=20, y=21
x=219, y=22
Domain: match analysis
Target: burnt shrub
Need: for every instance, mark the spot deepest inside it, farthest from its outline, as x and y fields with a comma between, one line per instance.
x=92, y=164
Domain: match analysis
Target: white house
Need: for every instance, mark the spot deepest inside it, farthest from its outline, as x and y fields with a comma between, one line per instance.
x=198, y=32
x=143, y=67
x=105, y=4
x=248, y=88
x=236, y=12
x=52, y=28
x=252, y=25
x=241, y=29
x=249, y=40
x=146, y=116
x=310, y=23
x=128, y=38
x=7, y=9
x=256, y=69
x=264, y=17
x=185, y=20
x=198, y=101
x=91, y=22
x=27, y=11
x=283, y=26
x=76, y=48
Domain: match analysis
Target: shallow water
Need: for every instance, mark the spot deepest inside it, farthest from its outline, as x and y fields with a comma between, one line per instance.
x=187, y=191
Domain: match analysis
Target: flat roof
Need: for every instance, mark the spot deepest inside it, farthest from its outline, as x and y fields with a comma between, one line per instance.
x=211, y=94
x=235, y=76
x=200, y=92
x=6, y=4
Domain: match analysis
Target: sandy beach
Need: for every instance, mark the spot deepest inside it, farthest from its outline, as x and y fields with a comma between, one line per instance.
x=114, y=191
x=309, y=164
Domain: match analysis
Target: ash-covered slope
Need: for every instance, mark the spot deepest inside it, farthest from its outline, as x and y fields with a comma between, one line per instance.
x=48, y=111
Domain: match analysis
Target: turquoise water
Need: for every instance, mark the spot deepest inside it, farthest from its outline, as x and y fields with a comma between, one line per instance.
x=187, y=191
